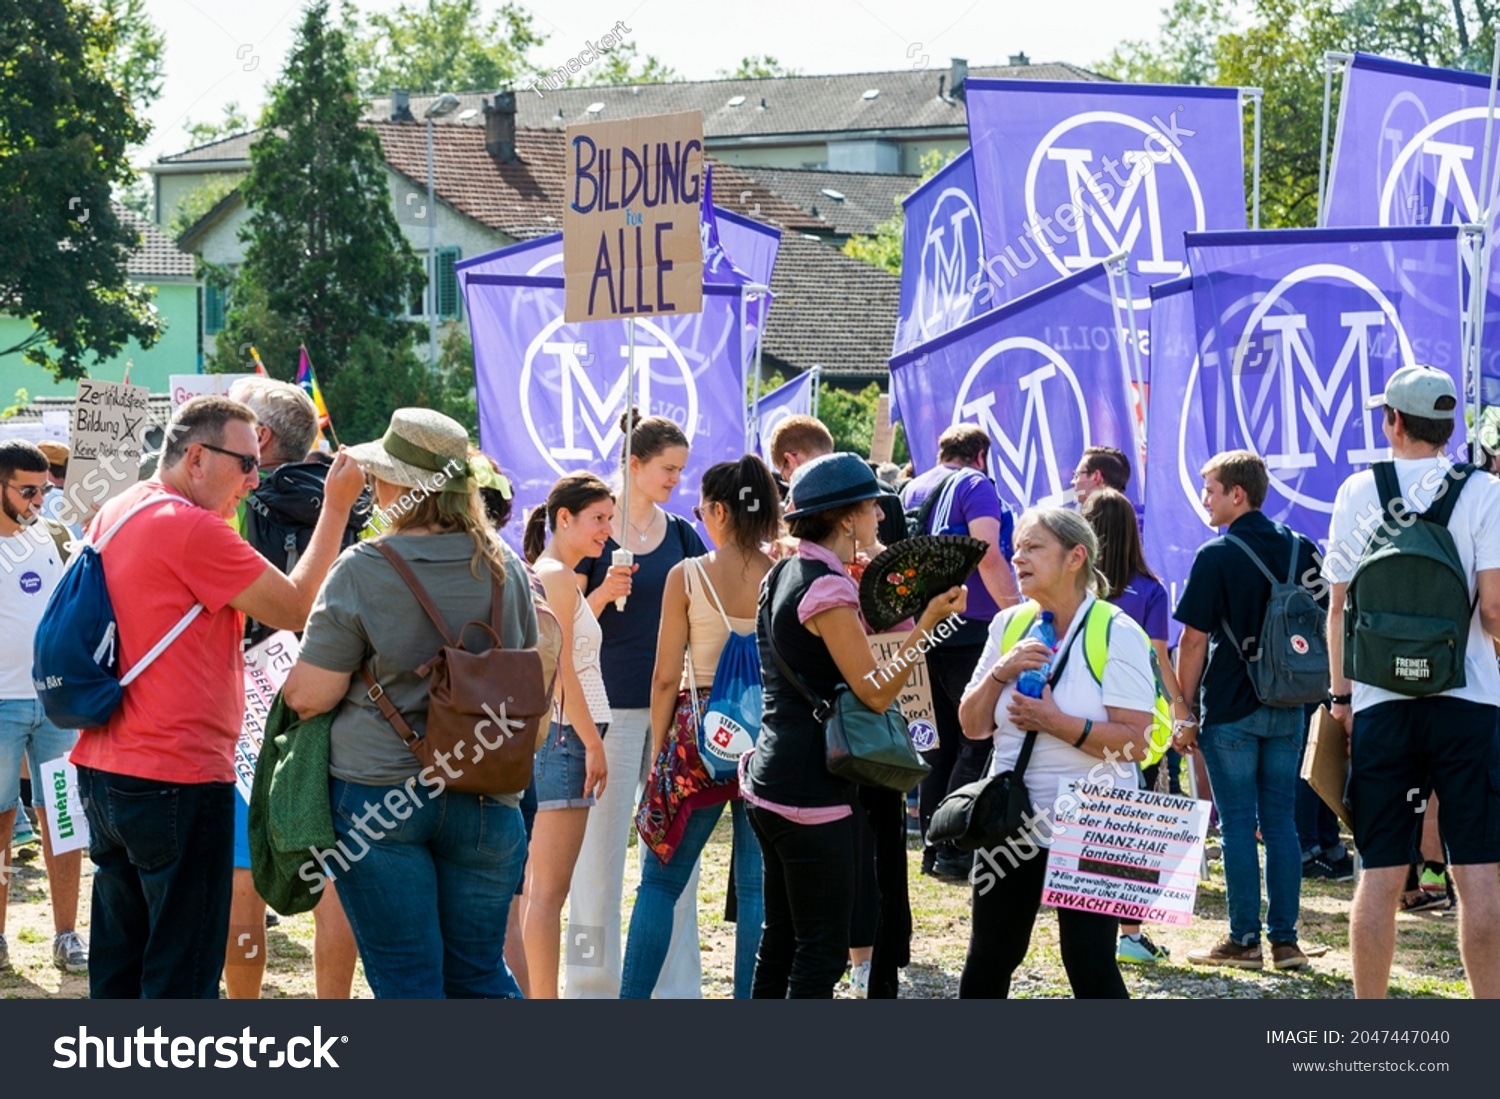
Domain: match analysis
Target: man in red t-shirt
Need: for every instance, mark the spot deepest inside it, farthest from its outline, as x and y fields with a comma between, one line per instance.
x=157, y=781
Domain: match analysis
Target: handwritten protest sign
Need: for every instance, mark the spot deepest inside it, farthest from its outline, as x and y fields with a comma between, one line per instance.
x=1126, y=852
x=631, y=244
x=916, y=697
x=109, y=431
x=187, y=386
x=266, y=667
x=56, y=791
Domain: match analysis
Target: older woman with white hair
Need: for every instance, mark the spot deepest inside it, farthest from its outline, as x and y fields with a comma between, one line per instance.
x=1077, y=722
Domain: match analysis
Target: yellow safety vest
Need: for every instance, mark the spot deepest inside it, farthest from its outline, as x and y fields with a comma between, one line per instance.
x=1096, y=628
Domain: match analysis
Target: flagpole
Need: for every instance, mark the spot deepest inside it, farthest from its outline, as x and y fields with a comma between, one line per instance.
x=1255, y=96
x=817, y=384
x=1333, y=61
x=1130, y=360
x=624, y=556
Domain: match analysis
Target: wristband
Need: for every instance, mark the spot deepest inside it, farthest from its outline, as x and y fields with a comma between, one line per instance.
x=996, y=677
x=1088, y=727
x=1340, y=700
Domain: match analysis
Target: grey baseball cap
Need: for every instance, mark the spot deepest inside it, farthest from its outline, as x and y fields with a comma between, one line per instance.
x=1419, y=391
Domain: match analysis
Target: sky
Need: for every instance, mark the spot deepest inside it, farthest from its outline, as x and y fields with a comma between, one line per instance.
x=222, y=51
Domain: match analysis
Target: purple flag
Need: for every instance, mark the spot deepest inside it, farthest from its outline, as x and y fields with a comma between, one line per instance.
x=1045, y=376
x=551, y=394
x=1409, y=151
x=942, y=256
x=1071, y=173
x=1296, y=329
x=1177, y=437
x=792, y=399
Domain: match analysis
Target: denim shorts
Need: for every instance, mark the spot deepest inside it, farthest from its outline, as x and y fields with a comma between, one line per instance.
x=560, y=770
x=24, y=728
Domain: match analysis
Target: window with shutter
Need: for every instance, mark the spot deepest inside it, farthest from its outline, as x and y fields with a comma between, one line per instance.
x=447, y=283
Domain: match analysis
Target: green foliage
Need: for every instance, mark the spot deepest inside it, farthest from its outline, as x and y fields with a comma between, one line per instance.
x=440, y=46
x=883, y=249
x=22, y=399
x=760, y=67
x=137, y=63
x=849, y=416
x=623, y=65
x=65, y=128
x=325, y=263
x=200, y=200
x=232, y=122
x=1183, y=51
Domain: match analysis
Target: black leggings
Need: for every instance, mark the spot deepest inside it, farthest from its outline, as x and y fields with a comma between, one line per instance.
x=809, y=891
x=1000, y=935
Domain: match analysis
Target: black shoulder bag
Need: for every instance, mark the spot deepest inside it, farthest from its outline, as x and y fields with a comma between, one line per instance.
x=992, y=810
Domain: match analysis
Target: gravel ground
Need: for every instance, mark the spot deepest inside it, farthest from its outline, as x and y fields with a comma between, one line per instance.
x=1427, y=962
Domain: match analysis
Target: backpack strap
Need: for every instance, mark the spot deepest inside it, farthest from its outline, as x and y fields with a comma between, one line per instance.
x=410, y=578
x=924, y=513
x=1017, y=625
x=1240, y=544
x=1442, y=507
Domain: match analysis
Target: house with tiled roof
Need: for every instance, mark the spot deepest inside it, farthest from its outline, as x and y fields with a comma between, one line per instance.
x=158, y=263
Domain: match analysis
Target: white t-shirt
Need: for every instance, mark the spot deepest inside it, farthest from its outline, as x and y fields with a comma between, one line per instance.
x=1129, y=684
x=1475, y=526
x=30, y=568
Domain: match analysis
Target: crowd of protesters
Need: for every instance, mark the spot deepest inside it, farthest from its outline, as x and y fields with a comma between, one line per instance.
x=378, y=555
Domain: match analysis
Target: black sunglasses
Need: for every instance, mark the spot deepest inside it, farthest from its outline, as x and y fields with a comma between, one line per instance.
x=249, y=463
x=28, y=492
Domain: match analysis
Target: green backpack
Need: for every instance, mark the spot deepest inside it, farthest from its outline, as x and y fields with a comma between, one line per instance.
x=1408, y=608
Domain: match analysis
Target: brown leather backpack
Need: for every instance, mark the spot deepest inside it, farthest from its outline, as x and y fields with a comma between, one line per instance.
x=484, y=709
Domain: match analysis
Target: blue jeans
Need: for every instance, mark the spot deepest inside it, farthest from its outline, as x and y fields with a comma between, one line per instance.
x=651, y=919
x=1253, y=766
x=427, y=883
x=163, y=859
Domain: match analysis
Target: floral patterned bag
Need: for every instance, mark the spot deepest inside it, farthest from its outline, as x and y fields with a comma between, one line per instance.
x=678, y=782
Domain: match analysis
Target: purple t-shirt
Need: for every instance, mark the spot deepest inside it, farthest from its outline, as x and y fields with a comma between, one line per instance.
x=970, y=496
x=1145, y=600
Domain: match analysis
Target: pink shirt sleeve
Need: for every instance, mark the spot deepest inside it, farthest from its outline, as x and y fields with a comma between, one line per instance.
x=826, y=593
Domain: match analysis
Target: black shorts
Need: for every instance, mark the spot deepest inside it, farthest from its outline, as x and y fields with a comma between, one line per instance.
x=1407, y=749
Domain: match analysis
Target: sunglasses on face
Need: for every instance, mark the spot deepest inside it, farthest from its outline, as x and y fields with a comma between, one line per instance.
x=28, y=492
x=249, y=463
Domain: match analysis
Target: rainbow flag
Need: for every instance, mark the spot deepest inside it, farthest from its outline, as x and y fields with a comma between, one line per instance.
x=260, y=367
x=309, y=383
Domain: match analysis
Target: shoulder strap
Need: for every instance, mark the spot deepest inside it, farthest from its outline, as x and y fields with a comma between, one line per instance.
x=404, y=571
x=149, y=502
x=1386, y=484
x=1096, y=632
x=1250, y=553
x=1024, y=758
x=696, y=564
x=182, y=623
x=821, y=707
x=1017, y=625
x=924, y=513
x=1442, y=508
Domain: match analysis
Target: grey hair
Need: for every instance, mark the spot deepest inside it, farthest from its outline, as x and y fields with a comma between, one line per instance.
x=286, y=410
x=1072, y=529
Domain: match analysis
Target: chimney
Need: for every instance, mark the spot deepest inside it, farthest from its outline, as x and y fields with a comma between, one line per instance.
x=958, y=73
x=500, y=127
x=401, y=106
x=1019, y=60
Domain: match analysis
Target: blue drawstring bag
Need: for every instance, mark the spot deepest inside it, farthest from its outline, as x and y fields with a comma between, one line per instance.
x=730, y=720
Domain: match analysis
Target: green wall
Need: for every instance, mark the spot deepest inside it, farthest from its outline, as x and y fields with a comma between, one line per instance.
x=175, y=353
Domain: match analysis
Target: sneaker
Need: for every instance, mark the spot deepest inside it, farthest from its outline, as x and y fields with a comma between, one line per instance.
x=1288, y=956
x=1140, y=951
x=1420, y=901
x=1230, y=953
x=1433, y=882
x=70, y=953
x=272, y=919
x=859, y=980
x=1321, y=869
x=23, y=834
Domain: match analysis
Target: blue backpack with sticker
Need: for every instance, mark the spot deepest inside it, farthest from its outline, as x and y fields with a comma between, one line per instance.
x=729, y=721
x=76, y=655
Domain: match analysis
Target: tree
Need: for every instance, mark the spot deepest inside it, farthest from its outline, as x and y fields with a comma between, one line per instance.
x=883, y=249
x=440, y=46
x=137, y=62
x=325, y=263
x=233, y=121
x=623, y=65
x=757, y=68
x=65, y=128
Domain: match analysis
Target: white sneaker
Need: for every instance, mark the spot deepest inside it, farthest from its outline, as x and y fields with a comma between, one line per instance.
x=70, y=953
x=859, y=980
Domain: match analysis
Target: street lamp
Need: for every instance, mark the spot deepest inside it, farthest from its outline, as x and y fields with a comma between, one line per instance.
x=443, y=104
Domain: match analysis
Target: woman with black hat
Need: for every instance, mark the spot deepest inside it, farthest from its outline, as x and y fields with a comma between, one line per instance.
x=801, y=813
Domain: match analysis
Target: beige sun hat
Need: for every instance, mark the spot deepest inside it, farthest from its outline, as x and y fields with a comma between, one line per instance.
x=419, y=447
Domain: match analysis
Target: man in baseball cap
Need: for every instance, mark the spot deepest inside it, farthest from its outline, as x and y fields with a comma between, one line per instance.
x=1423, y=391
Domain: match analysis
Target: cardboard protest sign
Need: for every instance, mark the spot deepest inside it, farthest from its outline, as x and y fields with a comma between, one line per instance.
x=266, y=667
x=631, y=241
x=55, y=791
x=916, y=697
x=187, y=386
x=1129, y=853
x=109, y=431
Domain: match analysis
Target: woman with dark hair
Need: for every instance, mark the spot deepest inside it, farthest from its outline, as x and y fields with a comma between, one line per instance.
x=706, y=599
x=657, y=455
x=571, y=771
x=802, y=814
x=427, y=894
x=1135, y=589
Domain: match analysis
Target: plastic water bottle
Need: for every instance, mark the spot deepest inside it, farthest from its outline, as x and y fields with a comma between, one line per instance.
x=1030, y=683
